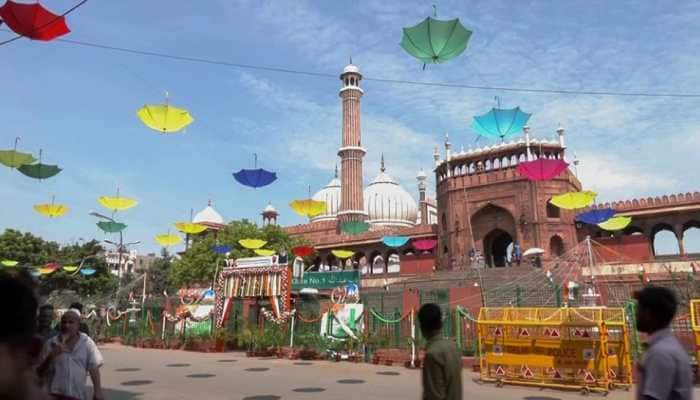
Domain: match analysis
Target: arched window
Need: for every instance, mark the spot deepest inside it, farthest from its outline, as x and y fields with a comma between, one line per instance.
x=378, y=265
x=487, y=165
x=522, y=158
x=691, y=237
x=664, y=241
x=556, y=246
x=444, y=250
x=394, y=264
x=504, y=162
x=472, y=168
x=513, y=160
x=553, y=211
x=496, y=164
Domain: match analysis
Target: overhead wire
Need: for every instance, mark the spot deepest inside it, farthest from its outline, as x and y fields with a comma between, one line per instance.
x=453, y=85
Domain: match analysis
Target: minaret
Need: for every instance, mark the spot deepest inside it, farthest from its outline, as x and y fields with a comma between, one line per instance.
x=422, y=199
x=351, y=151
x=269, y=215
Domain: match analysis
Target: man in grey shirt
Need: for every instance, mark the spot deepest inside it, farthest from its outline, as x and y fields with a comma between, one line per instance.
x=664, y=372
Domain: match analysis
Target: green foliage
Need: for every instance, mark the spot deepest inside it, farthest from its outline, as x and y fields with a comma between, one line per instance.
x=30, y=250
x=158, y=274
x=198, y=264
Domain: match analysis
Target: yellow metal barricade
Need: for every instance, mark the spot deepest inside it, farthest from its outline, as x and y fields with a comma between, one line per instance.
x=573, y=348
x=695, y=324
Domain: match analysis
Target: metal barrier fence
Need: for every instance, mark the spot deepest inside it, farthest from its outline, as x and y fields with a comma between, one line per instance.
x=579, y=348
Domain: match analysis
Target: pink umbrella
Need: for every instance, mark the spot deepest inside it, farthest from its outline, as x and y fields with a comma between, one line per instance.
x=542, y=169
x=424, y=244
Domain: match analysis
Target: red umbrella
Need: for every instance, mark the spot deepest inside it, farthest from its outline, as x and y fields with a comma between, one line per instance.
x=33, y=21
x=424, y=244
x=542, y=169
x=303, y=251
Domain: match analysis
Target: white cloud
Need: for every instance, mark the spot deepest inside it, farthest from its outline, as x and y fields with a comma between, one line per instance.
x=614, y=179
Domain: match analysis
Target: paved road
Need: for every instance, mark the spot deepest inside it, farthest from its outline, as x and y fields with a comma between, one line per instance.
x=131, y=374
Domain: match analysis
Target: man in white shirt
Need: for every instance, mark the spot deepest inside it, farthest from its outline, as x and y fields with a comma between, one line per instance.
x=664, y=371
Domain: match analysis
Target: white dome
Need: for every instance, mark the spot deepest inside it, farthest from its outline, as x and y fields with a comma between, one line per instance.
x=269, y=209
x=208, y=215
x=330, y=194
x=387, y=203
x=351, y=68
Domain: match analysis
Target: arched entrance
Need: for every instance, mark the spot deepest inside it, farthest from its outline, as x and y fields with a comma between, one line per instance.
x=496, y=244
x=494, y=230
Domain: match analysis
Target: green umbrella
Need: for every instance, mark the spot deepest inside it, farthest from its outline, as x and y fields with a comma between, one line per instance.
x=435, y=41
x=13, y=158
x=354, y=227
x=111, y=227
x=39, y=170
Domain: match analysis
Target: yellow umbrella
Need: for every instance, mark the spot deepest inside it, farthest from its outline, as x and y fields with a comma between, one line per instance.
x=308, y=208
x=343, y=254
x=117, y=203
x=46, y=271
x=9, y=263
x=616, y=223
x=264, y=252
x=51, y=210
x=167, y=239
x=164, y=118
x=574, y=200
x=252, y=243
x=70, y=268
x=190, y=227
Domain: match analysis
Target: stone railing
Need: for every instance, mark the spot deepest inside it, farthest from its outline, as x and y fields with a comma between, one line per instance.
x=653, y=202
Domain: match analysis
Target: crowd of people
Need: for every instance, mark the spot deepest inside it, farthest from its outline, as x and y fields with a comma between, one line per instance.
x=40, y=358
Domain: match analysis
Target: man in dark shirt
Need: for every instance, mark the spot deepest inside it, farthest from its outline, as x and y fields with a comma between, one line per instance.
x=442, y=366
x=664, y=372
x=83, y=326
x=45, y=322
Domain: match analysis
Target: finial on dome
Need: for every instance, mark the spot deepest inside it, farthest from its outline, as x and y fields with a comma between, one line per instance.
x=382, y=168
x=336, y=170
x=209, y=203
x=350, y=59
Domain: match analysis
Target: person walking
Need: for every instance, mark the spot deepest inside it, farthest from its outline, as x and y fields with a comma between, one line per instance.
x=72, y=356
x=442, y=365
x=664, y=372
x=83, y=325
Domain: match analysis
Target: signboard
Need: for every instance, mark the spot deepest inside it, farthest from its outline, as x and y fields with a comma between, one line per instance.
x=325, y=280
x=252, y=262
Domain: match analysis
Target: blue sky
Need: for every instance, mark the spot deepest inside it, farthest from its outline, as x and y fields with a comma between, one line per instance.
x=79, y=103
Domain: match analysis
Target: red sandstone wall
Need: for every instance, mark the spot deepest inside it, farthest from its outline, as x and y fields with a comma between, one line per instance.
x=633, y=248
x=412, y=265
x=467, y=297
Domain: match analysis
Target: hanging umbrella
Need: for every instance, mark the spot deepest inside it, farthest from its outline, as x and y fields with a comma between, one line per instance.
x=13, y=158
x=88, y=271
x=252, y=243
x=574, y=200
x=9, y=263
x=70, y=268
x=49, y=268
x=51, y=210
x=221, y=249
x=167, y=239
x=616, y=223
x=256, y=177
x=395, y=241
x=435, y=41
x=500, y=122
x=308, y=207
x=542, y=169
x=354, y=227
x=596, y=216
x=111, y=226
x=35, y=273
x=33, y=21
x=425, y=244
x=117, y=203
x=164, y=118
x=264, y=252
x=39, y=170
x=303, y=251
x=343, y=254
x=190, y=227
x=534, y=251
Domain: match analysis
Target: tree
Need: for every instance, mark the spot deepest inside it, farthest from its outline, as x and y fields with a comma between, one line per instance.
x=158, y=274
x=32, y=251
x=199, y=263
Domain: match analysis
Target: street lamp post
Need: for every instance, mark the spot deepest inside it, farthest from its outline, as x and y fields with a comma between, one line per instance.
x=120, y=246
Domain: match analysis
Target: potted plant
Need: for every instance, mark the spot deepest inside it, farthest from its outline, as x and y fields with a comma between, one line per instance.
x=246, y=338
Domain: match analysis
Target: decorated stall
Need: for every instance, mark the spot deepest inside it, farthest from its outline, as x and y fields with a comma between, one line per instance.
x=254, y=277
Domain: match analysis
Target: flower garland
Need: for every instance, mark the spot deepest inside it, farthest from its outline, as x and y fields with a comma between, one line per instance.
x=270, y=316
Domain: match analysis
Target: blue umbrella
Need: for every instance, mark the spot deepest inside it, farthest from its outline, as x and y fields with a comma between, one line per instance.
x=500, y=122
x=596, y=216
x=221, y=249
x=256, y=177
x=87, y=271
x=395, y=241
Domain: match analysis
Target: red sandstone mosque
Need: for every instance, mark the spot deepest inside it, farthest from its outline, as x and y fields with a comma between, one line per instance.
x=483, y=208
